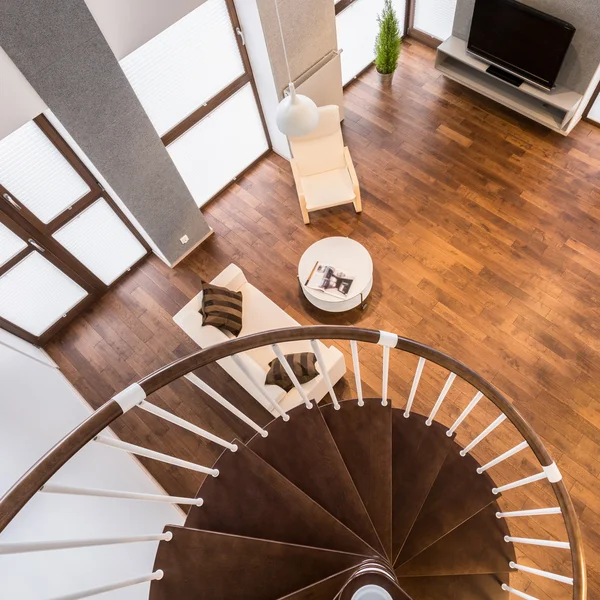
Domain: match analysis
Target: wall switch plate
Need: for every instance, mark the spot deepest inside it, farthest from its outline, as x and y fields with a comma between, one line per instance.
x=184, y=240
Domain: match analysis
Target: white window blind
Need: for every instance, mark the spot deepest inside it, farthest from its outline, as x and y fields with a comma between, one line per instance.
x=185, y=65
x=435, y=17
x=34, y=294
x=38, y=175
x=357, y=30
x=220, y=146
x=10, y=244
x=101, y=241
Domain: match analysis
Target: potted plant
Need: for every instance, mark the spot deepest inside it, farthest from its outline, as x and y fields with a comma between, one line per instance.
x=388, y=42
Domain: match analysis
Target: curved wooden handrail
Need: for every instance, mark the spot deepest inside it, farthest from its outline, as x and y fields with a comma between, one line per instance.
x=14, y=500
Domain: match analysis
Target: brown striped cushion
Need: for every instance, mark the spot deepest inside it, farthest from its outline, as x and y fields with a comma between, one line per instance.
x=303, y=365
x=222, y=308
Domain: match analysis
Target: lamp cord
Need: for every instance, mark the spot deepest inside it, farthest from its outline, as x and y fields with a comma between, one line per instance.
x=287, y=64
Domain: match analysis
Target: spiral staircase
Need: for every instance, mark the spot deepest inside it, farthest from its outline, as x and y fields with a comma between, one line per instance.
x=350, y=500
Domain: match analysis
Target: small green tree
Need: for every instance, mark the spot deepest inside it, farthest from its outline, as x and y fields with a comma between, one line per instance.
x=388, y=42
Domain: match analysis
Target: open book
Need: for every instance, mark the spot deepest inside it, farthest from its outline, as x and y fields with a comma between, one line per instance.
x=329, y=280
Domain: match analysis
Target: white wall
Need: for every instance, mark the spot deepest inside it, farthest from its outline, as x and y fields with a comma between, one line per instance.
x=128, y=24
x=19, y=102
x=258, y=54
x=38, y=407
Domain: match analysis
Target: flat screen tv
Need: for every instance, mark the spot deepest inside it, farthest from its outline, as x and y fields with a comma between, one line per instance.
x=521, y=39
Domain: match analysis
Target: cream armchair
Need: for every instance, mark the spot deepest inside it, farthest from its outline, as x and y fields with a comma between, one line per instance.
x=322, y=167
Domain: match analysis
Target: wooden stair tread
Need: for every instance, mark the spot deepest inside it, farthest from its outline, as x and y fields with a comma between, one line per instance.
x=418, y=454
x=363, y=437
x=304, y=452
x=250, y=498
x=326, y=589
x=457, y=494
x=456, y=587
x=475, y=547
x=204, y=565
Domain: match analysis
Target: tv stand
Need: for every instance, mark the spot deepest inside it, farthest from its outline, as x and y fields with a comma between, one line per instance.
x=554, y=109
x=499, y=73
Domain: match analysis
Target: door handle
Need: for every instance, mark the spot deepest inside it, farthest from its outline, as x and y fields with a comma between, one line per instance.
x=9, y=199
x=241, y=34
x=36, y=245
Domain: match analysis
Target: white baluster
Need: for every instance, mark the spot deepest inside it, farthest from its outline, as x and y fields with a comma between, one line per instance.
x=356, y=365
x=54, y=488
x=415, y=385
x=290, y=373
x=503, y=457
x=112, y=586
x=516, y=484
x=324, y=373
x=465, y=413
x=225, y=403
x=167, y=416
x=385, y=375
x=261, y=389
x=534, y=542
x=545, y=574
x=483, y=434
x=440, y=399
x=22, y=547
x=159, y=456
x=555, y=510
x=507, y=588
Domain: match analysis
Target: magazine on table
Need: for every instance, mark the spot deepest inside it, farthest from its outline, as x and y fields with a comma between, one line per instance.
x=329, y=280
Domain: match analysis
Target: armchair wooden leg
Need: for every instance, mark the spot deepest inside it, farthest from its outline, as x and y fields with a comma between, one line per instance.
x=305, y=216
x=357, y=201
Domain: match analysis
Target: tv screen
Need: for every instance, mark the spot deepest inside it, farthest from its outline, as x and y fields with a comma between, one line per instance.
x=524, y=40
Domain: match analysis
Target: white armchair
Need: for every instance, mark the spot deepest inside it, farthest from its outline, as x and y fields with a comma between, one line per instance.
x=322, y=167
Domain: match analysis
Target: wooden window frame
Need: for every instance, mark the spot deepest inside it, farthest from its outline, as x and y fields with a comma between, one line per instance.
x=15, y=215
x=222, y=96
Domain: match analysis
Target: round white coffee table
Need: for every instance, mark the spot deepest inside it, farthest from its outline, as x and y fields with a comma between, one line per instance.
x=345, y=255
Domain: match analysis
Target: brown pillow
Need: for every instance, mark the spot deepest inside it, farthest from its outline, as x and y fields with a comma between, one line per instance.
x=303, y=365
x=222, y=308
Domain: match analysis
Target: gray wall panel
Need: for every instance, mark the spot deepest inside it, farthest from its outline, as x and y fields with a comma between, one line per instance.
x=86, y=89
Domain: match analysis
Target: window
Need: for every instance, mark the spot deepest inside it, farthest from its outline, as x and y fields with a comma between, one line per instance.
x=434, y=17
x=63, y=241
x=356, y=24
x=195, y=83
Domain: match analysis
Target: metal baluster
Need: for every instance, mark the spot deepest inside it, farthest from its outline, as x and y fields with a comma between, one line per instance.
x=54, y=488
x=240, y=364
x=545, y=574
x=555, y=510
x=503, y=457
x=465, y=413
x=534, y=542
x=167, y=416
x=324, y=373
x=290, y=373
x=159, y=456
x=440, y=399
x=385, y=375
x=483, y=434
x=230, y=407
x=415, y=385
x=356, y=365
x=519, y=483
x=523, y=595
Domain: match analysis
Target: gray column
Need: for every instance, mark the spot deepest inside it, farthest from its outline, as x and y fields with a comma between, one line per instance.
x=61, y=51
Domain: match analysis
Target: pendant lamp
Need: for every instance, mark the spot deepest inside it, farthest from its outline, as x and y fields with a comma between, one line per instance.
x=297, y=114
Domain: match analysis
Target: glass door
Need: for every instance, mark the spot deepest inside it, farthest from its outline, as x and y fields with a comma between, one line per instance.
x=61, y=233
x=356, y=25
x=195, y=83
x=431, y=20
x=38, y=292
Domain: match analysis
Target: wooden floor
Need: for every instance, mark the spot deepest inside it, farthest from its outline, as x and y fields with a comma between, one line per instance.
x=485, y=233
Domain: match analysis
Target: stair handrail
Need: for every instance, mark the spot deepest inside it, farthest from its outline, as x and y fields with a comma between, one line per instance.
x=35, y=478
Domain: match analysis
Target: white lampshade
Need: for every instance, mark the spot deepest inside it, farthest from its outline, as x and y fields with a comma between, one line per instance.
x=297, y=115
